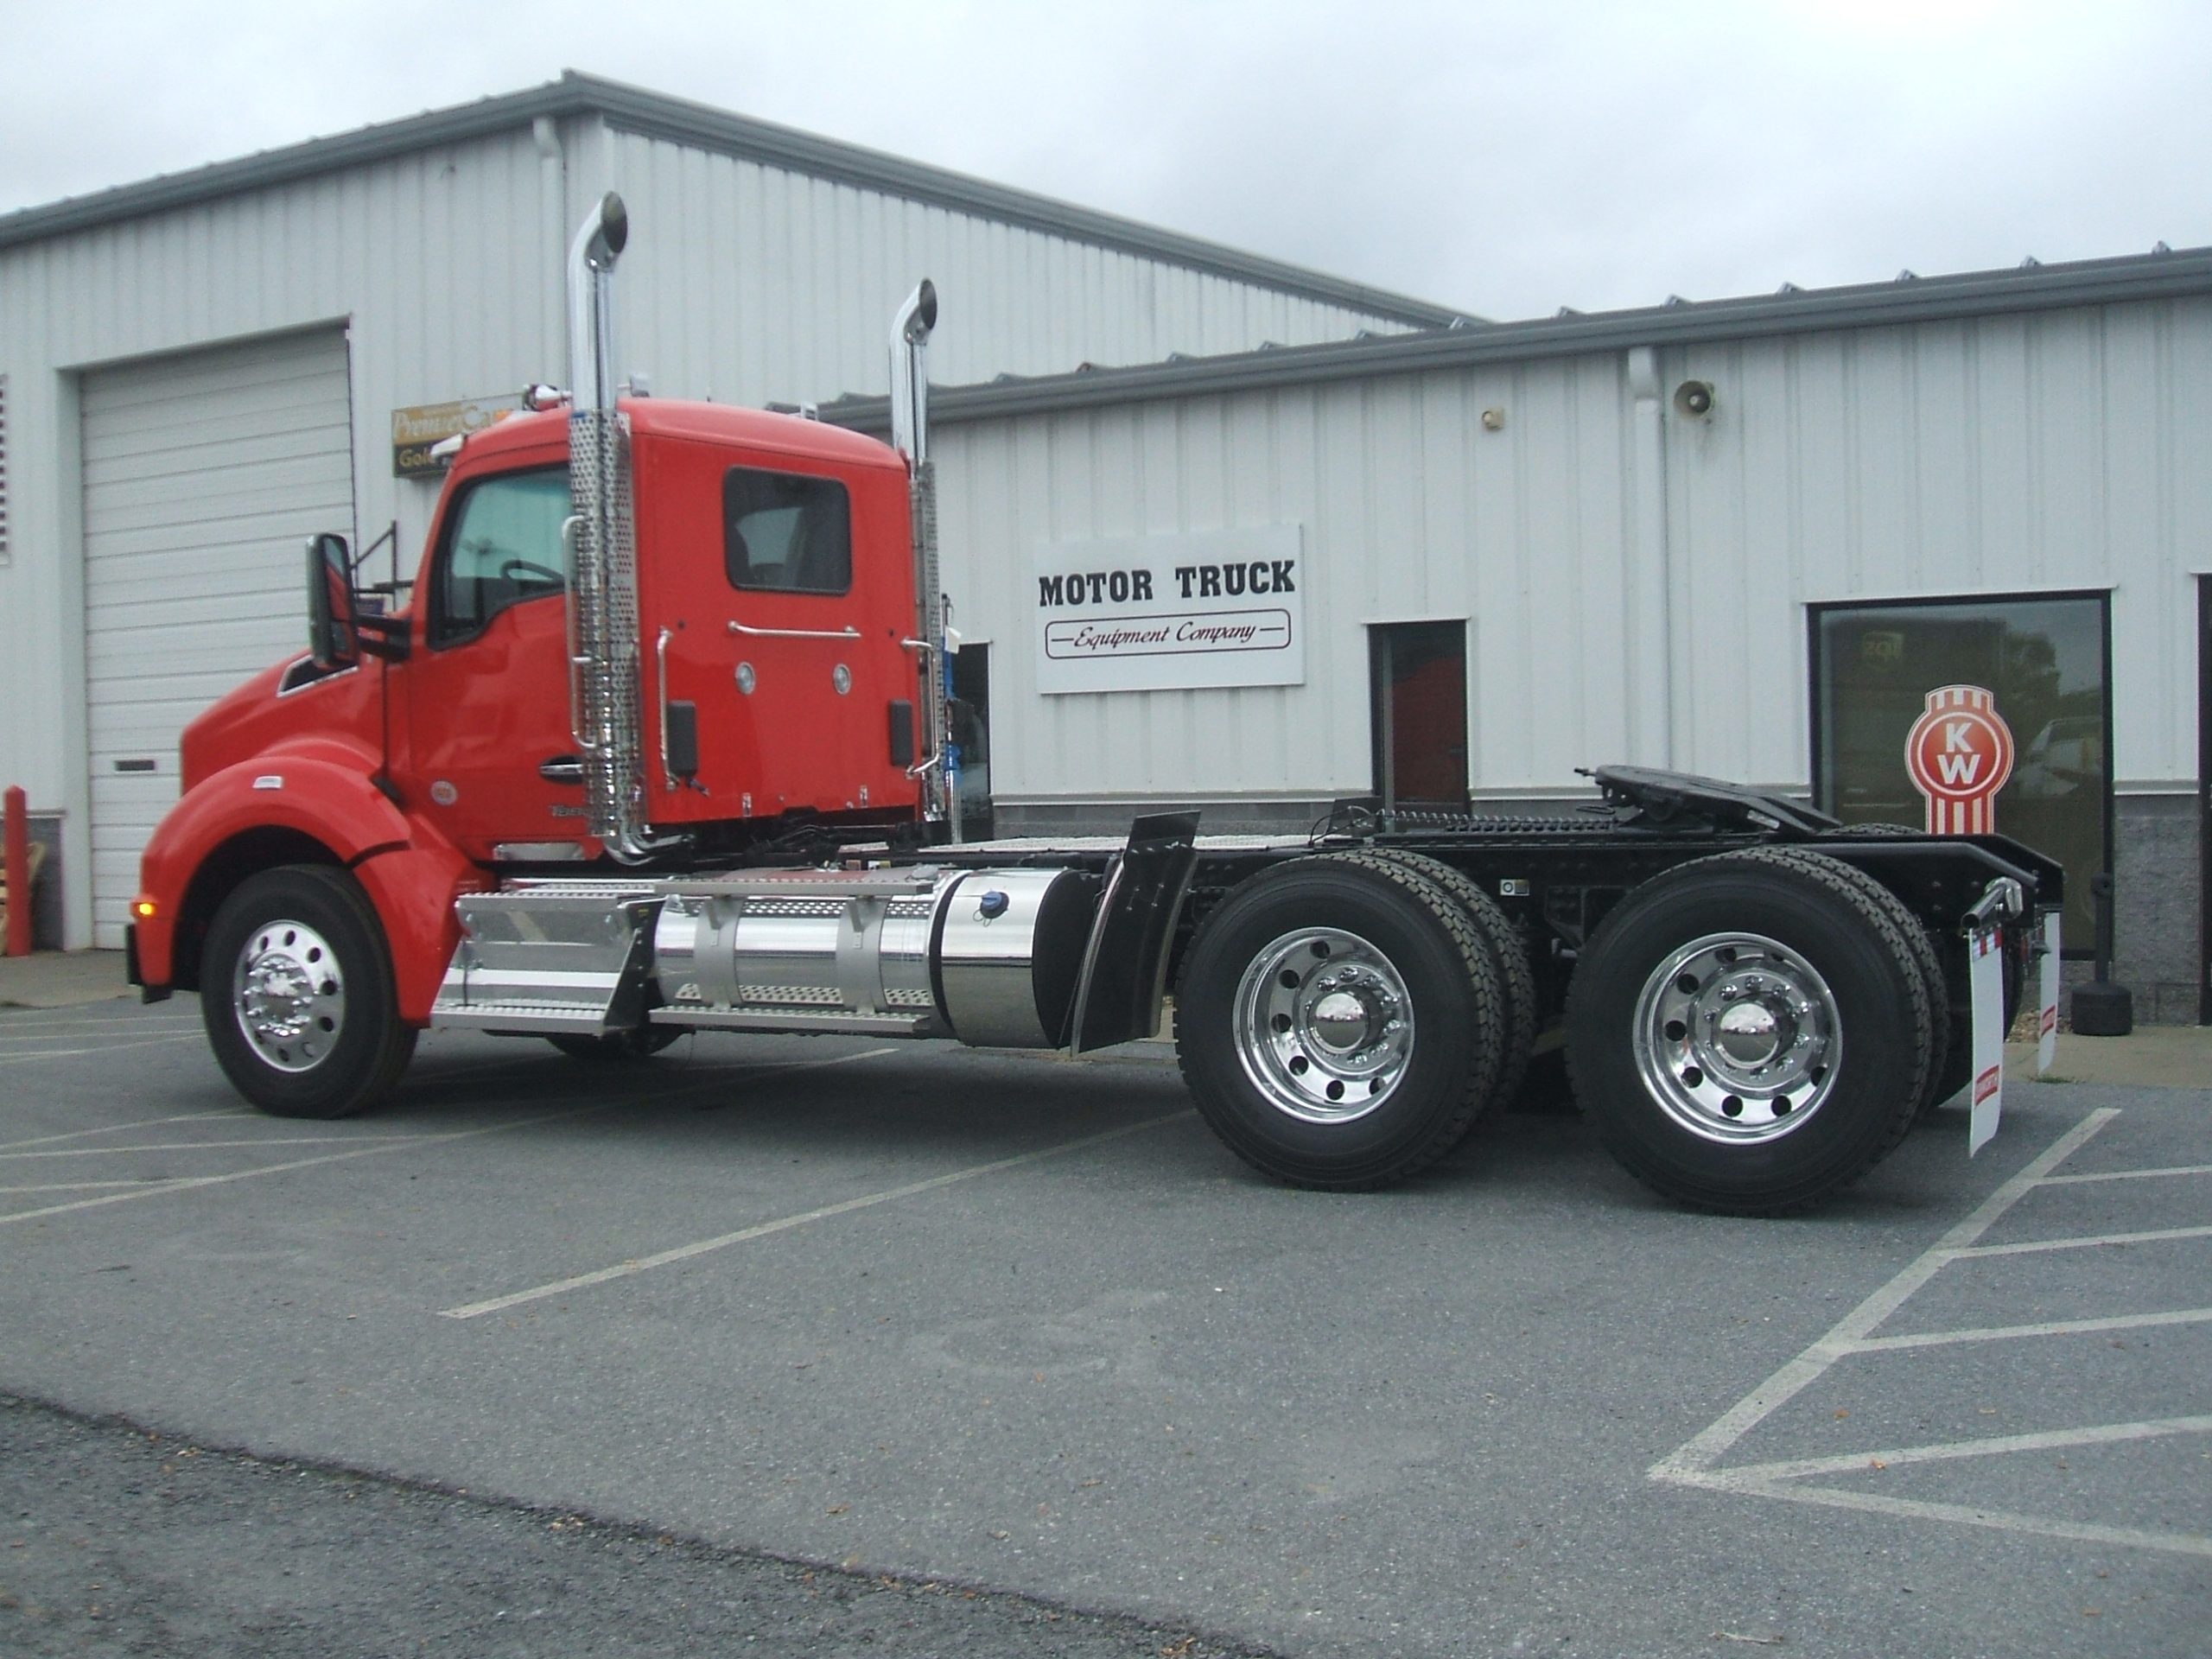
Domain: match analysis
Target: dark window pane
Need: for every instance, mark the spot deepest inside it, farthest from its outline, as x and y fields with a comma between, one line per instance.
x=503, y=545
x=2043, y=661
x=786, y=532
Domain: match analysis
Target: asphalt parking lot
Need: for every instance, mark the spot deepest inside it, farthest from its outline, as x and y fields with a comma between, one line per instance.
x=933, y=1317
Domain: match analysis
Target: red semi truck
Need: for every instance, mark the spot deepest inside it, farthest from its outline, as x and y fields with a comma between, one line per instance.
x=657, y=745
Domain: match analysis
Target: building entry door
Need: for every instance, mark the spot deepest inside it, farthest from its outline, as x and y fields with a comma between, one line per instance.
x=1419, y=678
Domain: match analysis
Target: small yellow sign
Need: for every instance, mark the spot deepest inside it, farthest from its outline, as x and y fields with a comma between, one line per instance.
x=416, y=431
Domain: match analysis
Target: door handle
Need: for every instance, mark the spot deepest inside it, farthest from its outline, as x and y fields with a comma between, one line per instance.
x=849, y=632
x=561, y=769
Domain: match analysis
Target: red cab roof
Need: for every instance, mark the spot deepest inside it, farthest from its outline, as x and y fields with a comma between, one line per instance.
x=674, y=417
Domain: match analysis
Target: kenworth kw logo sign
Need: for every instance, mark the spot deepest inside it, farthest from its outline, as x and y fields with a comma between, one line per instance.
x=1171, y=613
x=1959, y=754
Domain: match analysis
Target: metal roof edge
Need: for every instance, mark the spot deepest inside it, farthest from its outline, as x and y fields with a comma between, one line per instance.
x=1932, y=299
x=657, y=115
x=375, y=142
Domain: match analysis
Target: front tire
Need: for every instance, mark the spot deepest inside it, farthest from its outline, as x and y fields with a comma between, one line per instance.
x=1341, y=1022
x=1749, y=1032
x=298, y=997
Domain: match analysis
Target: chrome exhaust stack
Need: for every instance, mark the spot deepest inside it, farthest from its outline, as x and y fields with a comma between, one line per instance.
x=910, y=397
x=602, y=551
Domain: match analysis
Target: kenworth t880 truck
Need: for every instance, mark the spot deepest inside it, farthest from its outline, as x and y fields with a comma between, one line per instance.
x=657, y=744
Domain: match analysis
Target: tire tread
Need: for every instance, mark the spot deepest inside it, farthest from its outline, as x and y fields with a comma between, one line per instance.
x=1841, y=882
x=1487, y=998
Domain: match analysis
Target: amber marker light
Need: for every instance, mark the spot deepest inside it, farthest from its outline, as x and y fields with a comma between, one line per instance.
x=144, y=910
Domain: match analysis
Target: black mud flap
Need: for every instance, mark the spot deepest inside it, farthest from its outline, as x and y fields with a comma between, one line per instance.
x=131, y=976
x=1125, y=965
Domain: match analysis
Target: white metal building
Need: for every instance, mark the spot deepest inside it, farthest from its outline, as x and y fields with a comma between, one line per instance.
x=1621, y=575
x=198, y=371
x=1345, y=544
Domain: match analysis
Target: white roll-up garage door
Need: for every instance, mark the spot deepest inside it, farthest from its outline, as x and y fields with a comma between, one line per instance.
x=205, y=474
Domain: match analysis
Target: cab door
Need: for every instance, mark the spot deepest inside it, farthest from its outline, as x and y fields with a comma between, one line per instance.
x=764, y=612
x=489, y=745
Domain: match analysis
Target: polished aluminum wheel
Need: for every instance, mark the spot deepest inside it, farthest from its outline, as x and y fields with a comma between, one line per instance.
x=1325, y=1025
x=289, y=995
x=1738, y=1037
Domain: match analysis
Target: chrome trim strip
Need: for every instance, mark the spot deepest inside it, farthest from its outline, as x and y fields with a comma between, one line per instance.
x=849, y=632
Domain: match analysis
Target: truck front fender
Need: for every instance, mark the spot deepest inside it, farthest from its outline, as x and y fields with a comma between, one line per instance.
x=414, y=889
x=273, y=809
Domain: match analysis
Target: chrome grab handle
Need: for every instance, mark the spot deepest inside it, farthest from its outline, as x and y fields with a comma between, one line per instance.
x=571, y=533
x=928, y=652
x=849, y=632
x=660, y=665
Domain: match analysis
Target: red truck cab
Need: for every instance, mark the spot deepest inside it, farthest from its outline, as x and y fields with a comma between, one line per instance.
x=777, y=685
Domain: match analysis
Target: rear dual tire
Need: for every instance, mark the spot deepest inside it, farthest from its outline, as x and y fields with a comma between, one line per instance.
x=1752, y=1032
x=1341, y=1021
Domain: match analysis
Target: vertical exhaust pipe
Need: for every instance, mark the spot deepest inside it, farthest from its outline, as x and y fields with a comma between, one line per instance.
x=601, y=552
x=910, y=397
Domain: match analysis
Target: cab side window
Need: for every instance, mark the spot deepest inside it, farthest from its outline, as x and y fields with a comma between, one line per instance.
x=502, y=545
x=786, y=532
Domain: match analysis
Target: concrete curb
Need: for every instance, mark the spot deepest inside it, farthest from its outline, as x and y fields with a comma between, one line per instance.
x=62, y=979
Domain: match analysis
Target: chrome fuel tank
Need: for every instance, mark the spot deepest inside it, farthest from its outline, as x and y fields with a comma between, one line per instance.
x=1009, y=952
x=991, y=957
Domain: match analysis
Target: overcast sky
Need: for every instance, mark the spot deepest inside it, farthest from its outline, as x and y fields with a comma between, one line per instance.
x=1508, y=159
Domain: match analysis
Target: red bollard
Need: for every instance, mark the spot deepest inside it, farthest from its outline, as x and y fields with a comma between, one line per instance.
x=17, y=813
x=16, y=810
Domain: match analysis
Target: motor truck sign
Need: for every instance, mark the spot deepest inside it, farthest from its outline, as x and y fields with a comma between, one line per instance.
x=1958, y=754
x=1171, y=613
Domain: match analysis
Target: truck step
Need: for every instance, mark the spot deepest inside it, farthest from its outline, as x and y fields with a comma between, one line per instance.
x=823, y=1021
x=573, y=962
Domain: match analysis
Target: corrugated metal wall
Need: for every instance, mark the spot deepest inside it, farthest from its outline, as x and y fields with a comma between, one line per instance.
x=743, y=282
x=1410, y=510
x=2065, y=449
x=748, y=282
x=2062, y=449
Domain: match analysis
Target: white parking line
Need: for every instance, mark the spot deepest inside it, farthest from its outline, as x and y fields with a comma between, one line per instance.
x=89, y=1187
x=102, y=1048
x=19, y=1019
x=2052, y=1328
x=10, y=1028
x=211, y=1145
x=117, y=1129
x=2034, y=1247
x=2128, y=1174
x=1989, y=1447
x=1695, y=1464
x=1691, y=1463
x=192, y=1183
x=686, y=1252
x=2176, y=1543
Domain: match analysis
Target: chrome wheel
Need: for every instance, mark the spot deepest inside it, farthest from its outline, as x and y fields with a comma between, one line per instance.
x=289, y=995
x=1738, y=1037
x=1325, y=1025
